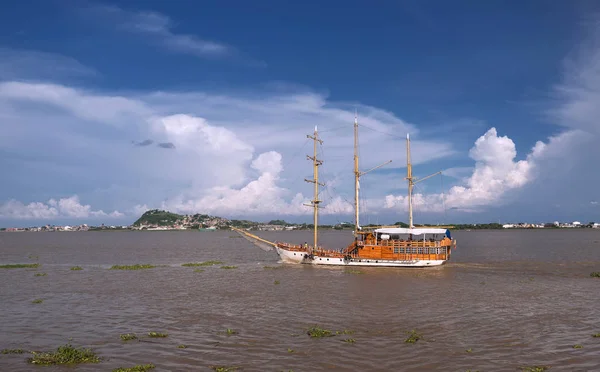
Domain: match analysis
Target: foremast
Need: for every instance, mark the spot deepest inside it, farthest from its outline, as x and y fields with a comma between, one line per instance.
x=315, y=202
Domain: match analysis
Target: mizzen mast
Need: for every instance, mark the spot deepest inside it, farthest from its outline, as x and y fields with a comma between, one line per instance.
x=412, y=181
x=315, y=202
x=411, y=184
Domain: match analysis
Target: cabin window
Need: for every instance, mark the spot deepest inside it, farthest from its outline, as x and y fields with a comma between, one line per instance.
x=396, y=250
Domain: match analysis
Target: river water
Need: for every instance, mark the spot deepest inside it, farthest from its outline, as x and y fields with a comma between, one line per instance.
x=506, y=300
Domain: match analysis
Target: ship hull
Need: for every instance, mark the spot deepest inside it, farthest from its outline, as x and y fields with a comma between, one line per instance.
x=302, y=257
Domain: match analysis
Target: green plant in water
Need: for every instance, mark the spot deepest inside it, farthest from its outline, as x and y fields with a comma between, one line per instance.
x=138, y=368
x=228, y=267
x=413, y=337
x=350, y=340
x=276, y=282
x=290, y=350
x=157, y=334
x=75, y=268
x=577, y=346
x=66, y=354
x=182, y=346
x=595, y=274
x=230, y=332
x=596, y=335
x=132, y=267
x=39, y=274
x=37, y=301
x=205, y=263
x=20, y=266
x=535, y=368
x=469, y=350
x=128, y=336
x=344, y=332
x=223, y=368
x=318, y=332
x=11, y=351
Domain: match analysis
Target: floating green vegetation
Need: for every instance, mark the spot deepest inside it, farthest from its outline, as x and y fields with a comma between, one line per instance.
x=40, y=274
x=577, y=346
x=596, y=335
x=205, y=263
x=37, y=301
x=76, y=268
x=223, y=368
x=469, y=350
x=535, y=369
x=20, y=266
x=344, y=332
x=228, y=267
x=198, y=270
x=157, y=334
x=138, y=368
x=413, y=337
x=318, y=332
x=181, y=346
x=272, y=267
x=128, y=336
x=12, y=351
x=66, y=354
x=353, y=272
x=349, y=340
x=276, y=282
x=595, y=274
x=290, y=350
x=230, y=332
x=132, y=267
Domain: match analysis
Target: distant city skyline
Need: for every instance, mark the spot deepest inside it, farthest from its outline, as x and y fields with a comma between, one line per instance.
x=111, y=108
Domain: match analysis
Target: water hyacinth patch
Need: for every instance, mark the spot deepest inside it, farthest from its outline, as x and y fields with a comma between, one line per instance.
x=138, y=368
x=76, y=268
x=128, y=336
x=157, y=334
x=66, y=354
x=20, y=266
x=12, y=351
x=132, y=267
x=205, y=263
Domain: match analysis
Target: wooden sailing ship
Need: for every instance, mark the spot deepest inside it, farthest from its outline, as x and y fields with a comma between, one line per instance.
x=384, y=246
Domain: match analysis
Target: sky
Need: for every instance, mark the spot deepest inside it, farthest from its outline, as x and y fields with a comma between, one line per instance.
x=108, y=109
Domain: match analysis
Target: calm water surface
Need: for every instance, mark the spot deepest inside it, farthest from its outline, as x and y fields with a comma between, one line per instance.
x=515, y=298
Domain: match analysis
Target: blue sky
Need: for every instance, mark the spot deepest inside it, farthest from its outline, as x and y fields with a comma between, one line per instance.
x=500, y=96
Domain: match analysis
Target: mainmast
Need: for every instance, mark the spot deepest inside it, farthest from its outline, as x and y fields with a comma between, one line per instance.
x=315, y=202
x=356, y=177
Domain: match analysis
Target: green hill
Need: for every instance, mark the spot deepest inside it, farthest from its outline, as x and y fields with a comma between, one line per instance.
x=158, y=217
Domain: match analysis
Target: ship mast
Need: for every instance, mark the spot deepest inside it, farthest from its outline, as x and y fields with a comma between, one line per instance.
x=315, y=202
x=412, y=181
x=356, y=177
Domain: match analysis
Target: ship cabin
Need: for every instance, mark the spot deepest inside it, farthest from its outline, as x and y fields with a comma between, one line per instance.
x=396, y=243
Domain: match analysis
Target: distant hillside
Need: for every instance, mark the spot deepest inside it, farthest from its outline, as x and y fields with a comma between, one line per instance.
x=158, y=217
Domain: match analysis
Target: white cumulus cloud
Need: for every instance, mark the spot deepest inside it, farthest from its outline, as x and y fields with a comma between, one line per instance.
x=52, y=209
